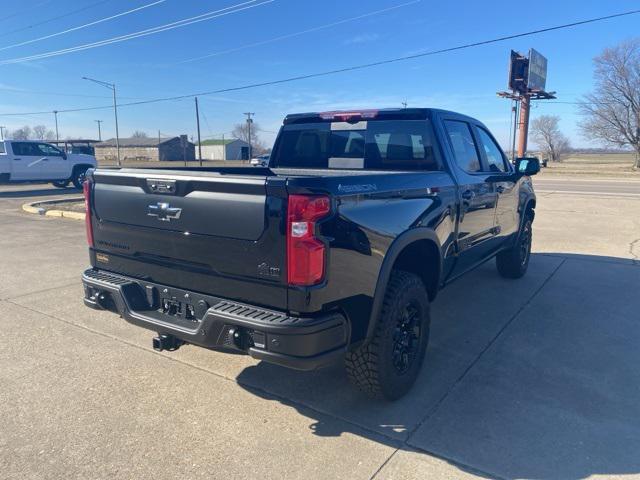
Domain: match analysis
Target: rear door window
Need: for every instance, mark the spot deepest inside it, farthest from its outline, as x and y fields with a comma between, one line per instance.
x=373, y=144
x=26, y=149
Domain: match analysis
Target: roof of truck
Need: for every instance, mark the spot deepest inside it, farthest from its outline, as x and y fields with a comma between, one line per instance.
x=367, y=114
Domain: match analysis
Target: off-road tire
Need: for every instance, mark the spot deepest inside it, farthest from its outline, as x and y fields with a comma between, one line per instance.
x=373, y=367
x=513, y=263
x=77, y=178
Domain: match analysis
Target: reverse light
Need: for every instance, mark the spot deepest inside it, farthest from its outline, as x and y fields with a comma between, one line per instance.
x=305, y=252
x=86, y=190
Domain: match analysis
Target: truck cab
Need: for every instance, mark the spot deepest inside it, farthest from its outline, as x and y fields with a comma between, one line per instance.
x=39, y=161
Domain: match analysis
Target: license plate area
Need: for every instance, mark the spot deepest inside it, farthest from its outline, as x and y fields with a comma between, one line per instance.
x=175, y=308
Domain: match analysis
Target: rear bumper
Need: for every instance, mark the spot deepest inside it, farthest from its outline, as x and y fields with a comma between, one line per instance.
x=303, y=343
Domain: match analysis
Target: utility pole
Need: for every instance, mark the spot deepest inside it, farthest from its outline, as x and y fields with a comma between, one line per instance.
x=112, y=87
x=404, y=104
x=516, y=109
x=224, y=149
x=99, y=131
x=55, y=113
x=198, y=123
x=2, y=129
x=249, y=122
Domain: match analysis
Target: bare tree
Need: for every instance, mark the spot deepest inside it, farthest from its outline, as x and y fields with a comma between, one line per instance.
x=241, y=131
x=612, y=110
x=547, y=135
x=23, y=133
x=139, y=134
x=40, y=132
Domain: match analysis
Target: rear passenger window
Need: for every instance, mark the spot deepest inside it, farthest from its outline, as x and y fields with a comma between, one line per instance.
x=24, y=148
x=464, y=148
x=400, y=145
x=495, y=159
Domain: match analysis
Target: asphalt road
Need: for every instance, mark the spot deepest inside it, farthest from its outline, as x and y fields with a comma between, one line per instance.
x=587, y=186
x=534, y=378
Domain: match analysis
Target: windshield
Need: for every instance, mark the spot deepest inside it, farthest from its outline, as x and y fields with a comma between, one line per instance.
x=378, y=145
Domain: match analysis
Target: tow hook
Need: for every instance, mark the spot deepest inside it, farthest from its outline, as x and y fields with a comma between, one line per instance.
x=166, y=342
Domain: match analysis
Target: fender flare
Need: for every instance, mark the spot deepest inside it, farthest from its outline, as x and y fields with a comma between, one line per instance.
x=525, y=206
x=401, y=241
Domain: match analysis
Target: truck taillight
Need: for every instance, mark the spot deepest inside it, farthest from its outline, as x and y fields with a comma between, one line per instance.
x=305, y=252
x=86, y=190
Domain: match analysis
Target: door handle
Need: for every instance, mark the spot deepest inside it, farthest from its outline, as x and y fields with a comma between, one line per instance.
x=500, y=189
x=468, y=195
x=17, y=159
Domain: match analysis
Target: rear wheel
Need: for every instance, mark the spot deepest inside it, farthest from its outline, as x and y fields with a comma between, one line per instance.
x=389, y=364
x=79, y=176
x=60, y=183
x=513, y=263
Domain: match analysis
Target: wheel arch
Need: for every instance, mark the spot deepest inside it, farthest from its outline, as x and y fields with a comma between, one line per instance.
x=78, y=166
x=410, y=250
x=528, y=208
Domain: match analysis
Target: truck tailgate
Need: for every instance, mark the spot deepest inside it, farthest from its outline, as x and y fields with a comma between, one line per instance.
x=216, y=234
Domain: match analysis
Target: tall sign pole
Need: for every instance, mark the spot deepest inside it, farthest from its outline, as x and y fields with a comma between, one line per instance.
x=523, y=125
x=527, y=82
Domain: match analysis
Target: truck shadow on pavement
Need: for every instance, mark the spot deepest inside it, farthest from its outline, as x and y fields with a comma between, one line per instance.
x=533, y=378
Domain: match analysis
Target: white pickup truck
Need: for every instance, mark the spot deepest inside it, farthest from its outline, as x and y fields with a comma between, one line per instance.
x=37, y=161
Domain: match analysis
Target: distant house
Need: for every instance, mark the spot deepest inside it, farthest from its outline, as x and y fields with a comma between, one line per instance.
x=228, y=149
x=147, y=149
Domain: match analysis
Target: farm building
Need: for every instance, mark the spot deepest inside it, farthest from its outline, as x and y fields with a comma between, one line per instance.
x=228, y=149
x=147, y=149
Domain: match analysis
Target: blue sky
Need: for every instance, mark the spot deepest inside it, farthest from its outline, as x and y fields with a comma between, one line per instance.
x=162, y=64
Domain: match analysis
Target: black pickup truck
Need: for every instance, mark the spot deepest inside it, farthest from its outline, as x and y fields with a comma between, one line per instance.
x=334, y=251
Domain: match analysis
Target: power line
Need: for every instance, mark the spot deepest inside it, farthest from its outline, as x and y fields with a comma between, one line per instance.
x=53, y=19
x=295, y=34
x=12, y=15
x=80, y=27
x=143, y=33
x=353, y=67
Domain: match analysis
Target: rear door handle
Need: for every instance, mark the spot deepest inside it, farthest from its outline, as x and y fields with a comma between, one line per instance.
x=17, y=159
x=468, y=194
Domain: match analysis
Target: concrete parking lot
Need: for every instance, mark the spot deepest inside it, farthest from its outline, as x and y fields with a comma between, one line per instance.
x=535, y=378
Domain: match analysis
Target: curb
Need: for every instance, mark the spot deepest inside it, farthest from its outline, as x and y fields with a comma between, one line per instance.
x=35, y=208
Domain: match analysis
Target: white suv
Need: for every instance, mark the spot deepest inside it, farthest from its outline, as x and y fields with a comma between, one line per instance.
x=33, y=161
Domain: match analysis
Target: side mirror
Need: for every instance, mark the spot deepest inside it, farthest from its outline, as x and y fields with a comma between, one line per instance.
x=527, y=165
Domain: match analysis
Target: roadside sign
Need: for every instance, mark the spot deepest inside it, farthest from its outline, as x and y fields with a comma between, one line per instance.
x=537, y=77
x=517, y=72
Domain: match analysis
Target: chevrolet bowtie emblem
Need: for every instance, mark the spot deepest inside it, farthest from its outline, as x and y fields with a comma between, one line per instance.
x=164, y=212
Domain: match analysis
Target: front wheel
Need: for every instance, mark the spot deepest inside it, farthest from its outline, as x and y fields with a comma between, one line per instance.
x=78, y=177
x=513, y=263
x=389, y=364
